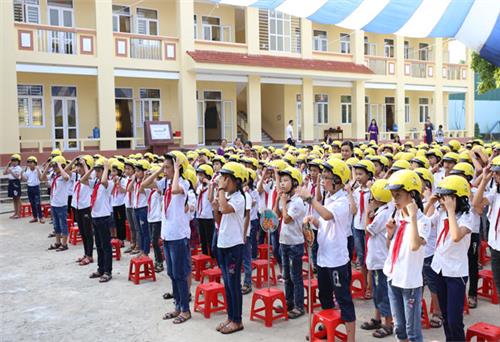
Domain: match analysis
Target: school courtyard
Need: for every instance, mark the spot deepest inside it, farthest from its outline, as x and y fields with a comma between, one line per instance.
x=46, y=296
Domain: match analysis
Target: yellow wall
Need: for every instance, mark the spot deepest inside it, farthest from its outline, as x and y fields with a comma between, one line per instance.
x=166, y=13
x=84, y=13
x=378, y=39
x=333, y=35
x=224, y=13
x=273, y=110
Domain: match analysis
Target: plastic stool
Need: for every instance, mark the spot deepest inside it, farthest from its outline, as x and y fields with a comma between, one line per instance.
x=487, y=289
x=262, y=251
x=358, y=291
x=261, y=276
x=210, y=302
x=212, y=274
x=117, y=246
x=484, y=258
x=25, y=210
x=483, y=332
x=200, y=264
x=268, y=297
x=466, y=306
x=330, y=319
x=70, y=222
x=46, y=210
x=426, y=323
x=314, y=296
x=195, y=250
x=74, y=235
x=136, y=274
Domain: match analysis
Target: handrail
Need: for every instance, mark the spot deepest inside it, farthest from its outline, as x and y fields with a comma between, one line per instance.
x=55, y=28
x=145, y=36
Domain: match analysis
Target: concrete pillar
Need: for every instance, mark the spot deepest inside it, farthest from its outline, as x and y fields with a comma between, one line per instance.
x=254, y=113
x=252, y=30
x=9, y=127
x=400, y=86
x=358, y=107
x=306, y=38
x=358, y=46
x=439, y=114
x=469, y=99
x=105, y=74
x=308, y=111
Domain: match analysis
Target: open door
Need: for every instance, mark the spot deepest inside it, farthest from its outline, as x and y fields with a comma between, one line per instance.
x=228, y=118
x=201, y=122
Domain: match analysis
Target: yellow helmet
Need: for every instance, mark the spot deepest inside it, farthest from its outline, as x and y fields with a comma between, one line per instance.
x=32, y=159
x=425, y=174
x=495, y=164
x=252, y=175
x=366, y=165
x=279, y=152
x=236, y=170
x=58, y=159
x=206, y=169
x=99, y=162
x=316, y=162
x=451, y=157
x=192, y=155
x=56, y=152
x=434, y=152
x=290, y=159
x=89, y=160
x=465, y=157
x=293, y=173
x=220, y=159
x=464, y=169
x=116, y=164
x=130, y=162
x=389, y=155
x=16, y=157
x=453, y=185
x=421, y=161
x=454, y=145
x=190, y=175
x=404, y=156
x=358, y=153
x=380, y=192
x=154, y=168
x=234, y=158
x=400, y=164
x=250, y=160
x=381, y=159
x=277, y=164
x=339, y=168
x=142, y=164
x=352, y=161
x=407, y=180
x=179, y=157
x=369, y=151
x=149, y=155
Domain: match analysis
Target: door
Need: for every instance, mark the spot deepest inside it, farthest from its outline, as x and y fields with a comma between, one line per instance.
x=227, y=119
x=298, y=118
x=200, y=105
x=60, y=41
x=65, y=123
x=149, y=110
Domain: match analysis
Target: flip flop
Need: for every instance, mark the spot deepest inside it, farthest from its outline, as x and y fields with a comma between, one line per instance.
x=171, y=315
x=226, y=330
x=181, y=319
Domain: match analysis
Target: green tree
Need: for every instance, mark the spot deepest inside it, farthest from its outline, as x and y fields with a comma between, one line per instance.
x=489, y=74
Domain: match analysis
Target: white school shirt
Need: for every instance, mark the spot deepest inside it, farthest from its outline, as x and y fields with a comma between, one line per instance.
x=174, y=219
x=254, y=211
x=430, y=245
x=407, y=271
x=102, y=205
x=58, y=191
x=376, y=245
x=475, y=218
x=139, y=198
x=493, y=216
x=291, y=233
x=73, y=177
x=117, y=197
x=81, y=196
x=270, y=190
x=438, y=176
x=248, y=206
x=129, y=194
x=231, y=225
x=359, y=218
x=154, y=205
x=203, y=205
x=289, y=132
x=15, y=172
x=450, y=257
x=309, y=208
x=32, y=178
x=332, y=237
x=191, y=203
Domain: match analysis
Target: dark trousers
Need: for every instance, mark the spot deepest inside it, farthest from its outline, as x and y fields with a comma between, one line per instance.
x=178, y=258
x=34, y=197
x=120, y=216
x=254, y=228
x=230, y=260
x=450, y=291
x=472, y=254
x=275, y=243
x=102, y=232
x=155, y=231
x=206, y=228
x=291, y=257
x=84, y=221
x=495, y=267
x=141, y=216
x=314, y=249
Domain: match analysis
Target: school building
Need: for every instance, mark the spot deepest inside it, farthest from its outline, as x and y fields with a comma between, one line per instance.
x=86, y=74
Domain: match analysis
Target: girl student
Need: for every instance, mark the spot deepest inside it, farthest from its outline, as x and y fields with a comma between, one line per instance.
x=247, y=247
x=291, y=209
x=31, y=175
x=118, y=201
x=250, y=252
x=407, y=233
x=334, y=272
x=379, y=212
x=13, y=172
x=204, y=211
x=129, y=207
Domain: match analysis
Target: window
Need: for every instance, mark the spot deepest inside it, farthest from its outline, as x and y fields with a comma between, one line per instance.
x=406, y=49
x=212, y=95
x=30, y=106
x=123, y=93
x=212, y=30
x=389, y=48
x=195, y=19
x=147, y=21
x=321, y=108
x=320, y=40
x=121, y=18
x=423, y=109
x=279, y=31
x=370, y=48
x=63, y=91
x=150, y=106
x=346, y=109
x=407, y=109
x=423, y=52
x=27, y=11
x=345, y=43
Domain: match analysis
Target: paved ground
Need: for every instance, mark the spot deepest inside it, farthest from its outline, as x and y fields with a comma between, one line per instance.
x=46, y=296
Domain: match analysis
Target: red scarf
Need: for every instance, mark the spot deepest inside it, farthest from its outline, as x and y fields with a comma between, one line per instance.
x=167, y=198
x=397, y=243
x=200, y=200
x=149, y=199
x=444, y=232
x=54, y=185
x=77, y=188
x=93, y=197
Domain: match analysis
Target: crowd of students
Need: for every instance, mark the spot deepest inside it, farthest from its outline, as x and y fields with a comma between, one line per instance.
x=407, y=216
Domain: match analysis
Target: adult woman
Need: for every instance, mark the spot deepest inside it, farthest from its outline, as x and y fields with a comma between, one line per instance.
x=373, y=130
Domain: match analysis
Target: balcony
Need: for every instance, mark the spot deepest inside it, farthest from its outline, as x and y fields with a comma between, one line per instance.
x=419, y=69
x=145, y=46
x=381, y=65
x=455, y=72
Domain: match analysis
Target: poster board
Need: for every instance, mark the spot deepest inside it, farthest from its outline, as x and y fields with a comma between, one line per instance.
x=158, y=133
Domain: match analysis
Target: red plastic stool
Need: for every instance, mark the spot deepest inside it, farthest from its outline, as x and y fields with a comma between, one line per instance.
x=200, y=264
x=314, y=296
x=483, y=332
x=262, y=251
x=261, y=276
x=330, y=319
x=484, y=258
x=25, y=210
x=117, y=246
x=358, y=291
x=127, y=231
x=46, y=210
x=70, y=222
x=74, y=235
x=212, y=274
x=487, y=289
x=426, y=323
x=305, y=259
x=195, y=251
x=210, y=302
x=268, y=297
x=466, y=306
x=136, y=274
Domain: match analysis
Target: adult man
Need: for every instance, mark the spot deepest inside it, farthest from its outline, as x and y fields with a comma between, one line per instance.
x=289, y=134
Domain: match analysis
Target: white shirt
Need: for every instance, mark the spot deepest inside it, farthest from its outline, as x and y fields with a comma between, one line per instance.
x=73, y=177
x=139, y=198
x=407, y=271
x=475, y=218
x=191, y=203
x=128, y=195
x=291, y=233
x=494, y=233
x=102, y=204
x=271, y=193
x=154, y=205
x=15, y=172
x=309, y=208
x=118, y=197
x=231, y=225
x=203, y=206
x=254, y=211
x=450, y=257
x=332, y=238
x=174, y=220
x=81, y=196
x=376, y=245
x=32, y=178
x=289, y=132
x=58, y=191
x=438, y=176
x=248, y=207
x=359, y=217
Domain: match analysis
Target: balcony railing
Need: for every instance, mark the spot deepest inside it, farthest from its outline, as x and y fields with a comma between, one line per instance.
x=420, y=69
x=455, y=72
x=381, y=65
x=145, y=47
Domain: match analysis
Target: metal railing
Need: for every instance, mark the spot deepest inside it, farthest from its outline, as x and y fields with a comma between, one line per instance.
x=145, y=48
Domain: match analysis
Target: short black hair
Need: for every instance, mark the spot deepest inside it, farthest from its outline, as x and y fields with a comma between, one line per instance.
x=249, y=143
x=348, y=143
x=290, y=121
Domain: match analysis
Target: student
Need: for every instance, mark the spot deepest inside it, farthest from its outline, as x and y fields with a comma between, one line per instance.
x=140, y=204
x=204, y=211
x=231, y=210
x=334, y=272
x=100, y=202
x=31, y=175
x=406, y=235
x=254, y=212
x=129, y=207
x=314, y=185
x=154, y=217
x=440, y=135
x=118, y=201
x=291, y=210
x=59, y=183
x=13, y=172
x=378, y=213
x=247, y=248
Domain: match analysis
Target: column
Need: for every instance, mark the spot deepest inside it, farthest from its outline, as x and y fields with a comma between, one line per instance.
x=469, y=99
x=307, y=111
x=254, y=113
x=9, y=129
x=105, y=74
x=400, y=87
x=358, y=107
x=252, y=30
x=439, y=113
x=306, y=38
x=358, y=46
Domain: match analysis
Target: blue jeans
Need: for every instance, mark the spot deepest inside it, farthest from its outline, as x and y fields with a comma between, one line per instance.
x=275, y=243
x=429, y=275
x=34, y=197
x=254, y=228
x=178, y=258
x=60, y=219
x=450, y=290
x=230, y=264
x=406, y=310
x=380, y=296
x=102, y=232
x=141, y=215
x=291, y=258
x=247, y=262
x=359, y=245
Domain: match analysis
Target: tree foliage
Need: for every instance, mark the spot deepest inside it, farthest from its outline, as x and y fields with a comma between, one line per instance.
x=489, y=74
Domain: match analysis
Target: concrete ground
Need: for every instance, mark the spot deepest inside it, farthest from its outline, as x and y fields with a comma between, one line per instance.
x=46, y=296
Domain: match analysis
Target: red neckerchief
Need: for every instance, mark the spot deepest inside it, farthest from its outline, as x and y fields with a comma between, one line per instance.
x=77, y=188
x=149, y=199
x=167, y=199
x=444, y=232
x=93, y=197
x=200, y=199
x=137, y=192
x=115, y=190
x=397, y=243
x=129, y=192
x=54, y=185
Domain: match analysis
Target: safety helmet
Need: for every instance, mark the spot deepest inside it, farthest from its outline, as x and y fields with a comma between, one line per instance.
x=451, y=157
x=464, y=157
x=56, y=152
x=290, y=159
x=316, y=162
x=366, y=165
x=379, y=191
x=190, y=175
x=89, y=160
x=434, y=152
x=252, y=175
x=339, y=168
x=192, y=155
x=453, y=185
x=142, y=164
x=421, y=161
x=16, y=157
x=278, y=164
x=206, y=169
x=381, y=159
x=293, y=173
x=279, y=152
x=58, y=159
x=234, y=158
x=220, y=159
x=369, y=151
x=250, y=160
x=116, y=164
x=464, y=169
x=236, y=170
x=454, y=145
x=179, y=157
x=400, y=164
x=99, y=163
x=358, y=153
x=129, y=162
x=495, y=164
x=352, y=161
x=425, y=174
x=32, y=159
x=389, y=155
x=407, y=180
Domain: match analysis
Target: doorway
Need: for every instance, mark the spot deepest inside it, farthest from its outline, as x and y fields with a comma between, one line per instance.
x=61, y=14
x=215, y=119
x=124, y=114
x=64, y=118
x=389, y=113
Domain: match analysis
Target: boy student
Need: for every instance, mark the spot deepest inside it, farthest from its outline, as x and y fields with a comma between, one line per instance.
x=129, y=207
x=31, y=175
x=250, y=251
x=59, y=183
x=118, y=201
x=314, y=185
x=13, y=171
x=334, y=273
x=204, y=211
x=100, y=202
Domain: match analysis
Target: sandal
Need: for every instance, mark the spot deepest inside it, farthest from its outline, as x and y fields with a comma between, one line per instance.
x=383, y=331
x=222, y=325
x=246, y=289
x=62, y=248
x=227, y=329
x=436, y=321
x=80, y=259
x=51, y=235
x=168, y=295
x=95, y=275
x=472, y=301
x=85, y=261
x=295, y=313
x=42, y=221
x=170, y=315
x=105, y=278
x=181, y=318
x=54, y=247
x=373, y=324
x=368, y=294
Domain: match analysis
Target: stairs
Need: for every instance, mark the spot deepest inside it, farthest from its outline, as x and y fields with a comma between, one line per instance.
x=266, y=139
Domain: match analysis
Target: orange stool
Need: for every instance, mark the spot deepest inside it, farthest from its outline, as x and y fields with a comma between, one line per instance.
x=25, y=210
x=200, y=264
x=136, y=274
x=358, y=291
x=426, y=323
x=487, y=289
x=46, y=209
x=484, y=258
x=314, y=296
x=212, y=274
x=305, y=259
x=330, y=319
x=262, y=251
x=117, y=246
x=268, y=297
x=210, y=302
x=483, y=332
x=261, y=276
x=74, y=235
